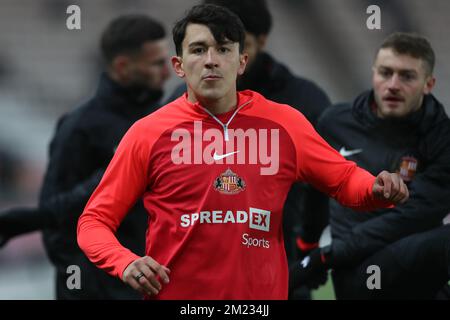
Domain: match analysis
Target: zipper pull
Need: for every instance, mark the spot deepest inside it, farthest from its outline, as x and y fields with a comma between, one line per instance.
x=225, y=131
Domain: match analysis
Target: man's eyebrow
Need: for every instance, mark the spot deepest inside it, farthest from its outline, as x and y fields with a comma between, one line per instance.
x=197, y=43
x=383, y=67
x=407, y=71
x=225, y=42
x=399, y=70
x=203, y=43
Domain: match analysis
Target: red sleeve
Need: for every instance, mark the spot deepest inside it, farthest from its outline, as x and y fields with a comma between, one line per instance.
x=323, y=167
x=123, y=183
x=318, y=163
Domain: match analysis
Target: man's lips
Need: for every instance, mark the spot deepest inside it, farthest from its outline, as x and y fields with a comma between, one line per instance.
x=211, y=77
x=393, y=99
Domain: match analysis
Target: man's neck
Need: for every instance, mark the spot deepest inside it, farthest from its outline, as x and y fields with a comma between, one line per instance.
x=216, y=106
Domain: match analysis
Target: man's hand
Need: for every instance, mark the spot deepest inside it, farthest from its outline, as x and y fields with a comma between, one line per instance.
x=390, y=187
x=311, y=271
x=143, y=274
x=304, y=248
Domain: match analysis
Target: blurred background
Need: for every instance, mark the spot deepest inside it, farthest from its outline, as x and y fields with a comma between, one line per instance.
x=47, y=70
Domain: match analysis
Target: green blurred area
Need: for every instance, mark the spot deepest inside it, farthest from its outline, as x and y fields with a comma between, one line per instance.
x=325, y=292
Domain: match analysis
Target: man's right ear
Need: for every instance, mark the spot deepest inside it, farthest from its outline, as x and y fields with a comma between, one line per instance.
x=120, y=66
x=177, y=64
x=262, y=41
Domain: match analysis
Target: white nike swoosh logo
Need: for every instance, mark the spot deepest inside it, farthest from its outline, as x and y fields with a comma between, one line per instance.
x=347, y=153
x=305, y=261
x=218, y=157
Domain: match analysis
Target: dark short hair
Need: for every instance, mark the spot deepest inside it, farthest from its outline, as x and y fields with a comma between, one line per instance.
x=127, y=33
x=222, y=23
x=254, y=14
x=413, y=45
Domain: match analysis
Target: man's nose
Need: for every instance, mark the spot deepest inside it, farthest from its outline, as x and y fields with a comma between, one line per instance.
x=211, y=58
x=394, y=82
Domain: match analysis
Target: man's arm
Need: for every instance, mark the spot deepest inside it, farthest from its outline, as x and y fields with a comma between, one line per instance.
x=311, y=271
x=323, y=167
x=428, y=205
x=20, y=220
x=62, y=208
x=65, y=208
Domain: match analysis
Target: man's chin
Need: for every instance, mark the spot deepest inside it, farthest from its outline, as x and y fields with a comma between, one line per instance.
x=392, y=107
x=211, y=94
x=393, y=114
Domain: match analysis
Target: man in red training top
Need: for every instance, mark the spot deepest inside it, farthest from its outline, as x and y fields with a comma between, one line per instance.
x=213, y=169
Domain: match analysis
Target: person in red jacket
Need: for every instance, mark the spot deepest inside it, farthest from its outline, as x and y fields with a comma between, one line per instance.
x=213, y=168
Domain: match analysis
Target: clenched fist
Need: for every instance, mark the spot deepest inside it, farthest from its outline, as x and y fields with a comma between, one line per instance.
x=390, y=187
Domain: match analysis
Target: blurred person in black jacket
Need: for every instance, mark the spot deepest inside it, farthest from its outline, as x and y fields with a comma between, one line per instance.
x=401, y=127
x=306, y=210
x=136, y=55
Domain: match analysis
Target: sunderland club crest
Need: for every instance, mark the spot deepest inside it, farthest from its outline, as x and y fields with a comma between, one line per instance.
x=229, y=183
x=408, y=168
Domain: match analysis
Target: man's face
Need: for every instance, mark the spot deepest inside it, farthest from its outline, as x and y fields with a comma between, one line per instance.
x=210, y=69
x=149, y=67
x=399, y=82
x=253, y=45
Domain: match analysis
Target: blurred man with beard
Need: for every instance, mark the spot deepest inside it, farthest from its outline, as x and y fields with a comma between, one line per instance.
x=136, y=54
x=399, y=126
